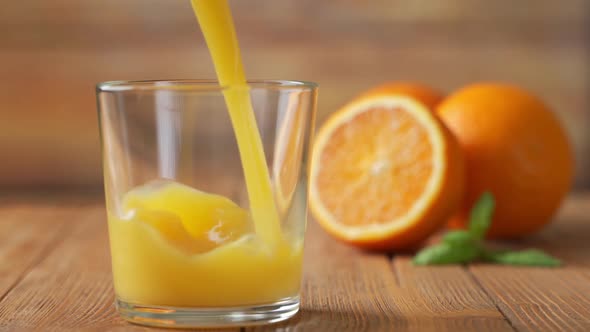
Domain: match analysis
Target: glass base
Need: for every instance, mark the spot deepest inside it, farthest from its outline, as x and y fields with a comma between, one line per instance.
x=182, y=317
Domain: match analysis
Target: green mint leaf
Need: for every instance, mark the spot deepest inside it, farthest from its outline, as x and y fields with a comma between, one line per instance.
x=530, y=257
x=459, y=238
x=481, y=215
x=445, y=253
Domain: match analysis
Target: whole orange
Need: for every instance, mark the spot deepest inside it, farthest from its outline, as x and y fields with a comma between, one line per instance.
x=514, y=147
x=423, y=93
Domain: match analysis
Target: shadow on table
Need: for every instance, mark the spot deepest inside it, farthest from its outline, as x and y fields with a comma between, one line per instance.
x=325, y=320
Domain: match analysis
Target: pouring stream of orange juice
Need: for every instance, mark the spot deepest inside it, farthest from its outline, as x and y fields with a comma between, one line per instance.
x=216, y=22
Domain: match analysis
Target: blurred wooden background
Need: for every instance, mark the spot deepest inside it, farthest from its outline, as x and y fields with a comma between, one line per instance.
x=53, y=52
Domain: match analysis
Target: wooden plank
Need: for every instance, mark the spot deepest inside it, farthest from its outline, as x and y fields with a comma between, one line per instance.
x=449, y=296
x=45, y=36
x=72, y=287
x=347, y=289
x=140, y=13
x=25, y=237
x=537, y=299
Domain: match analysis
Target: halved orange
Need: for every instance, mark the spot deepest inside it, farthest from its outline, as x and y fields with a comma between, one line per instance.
x=385, y=174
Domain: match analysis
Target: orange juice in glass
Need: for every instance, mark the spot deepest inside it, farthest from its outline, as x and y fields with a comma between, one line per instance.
x=206, y=190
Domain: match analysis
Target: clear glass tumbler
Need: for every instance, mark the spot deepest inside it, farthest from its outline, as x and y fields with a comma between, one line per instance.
x=186, y=243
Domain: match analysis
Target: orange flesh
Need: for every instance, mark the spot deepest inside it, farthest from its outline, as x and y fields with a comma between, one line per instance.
x=375, y=156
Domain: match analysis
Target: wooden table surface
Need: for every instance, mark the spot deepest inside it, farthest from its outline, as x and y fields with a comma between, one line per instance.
x=55, y=275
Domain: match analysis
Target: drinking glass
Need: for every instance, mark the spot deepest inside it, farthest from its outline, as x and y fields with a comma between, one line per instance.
x=185, y=248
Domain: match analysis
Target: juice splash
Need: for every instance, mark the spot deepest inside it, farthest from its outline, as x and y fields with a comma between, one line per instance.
x=178, y=246
x=216, y=22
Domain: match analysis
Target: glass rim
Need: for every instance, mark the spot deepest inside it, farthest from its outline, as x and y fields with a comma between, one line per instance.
x=198, y=85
